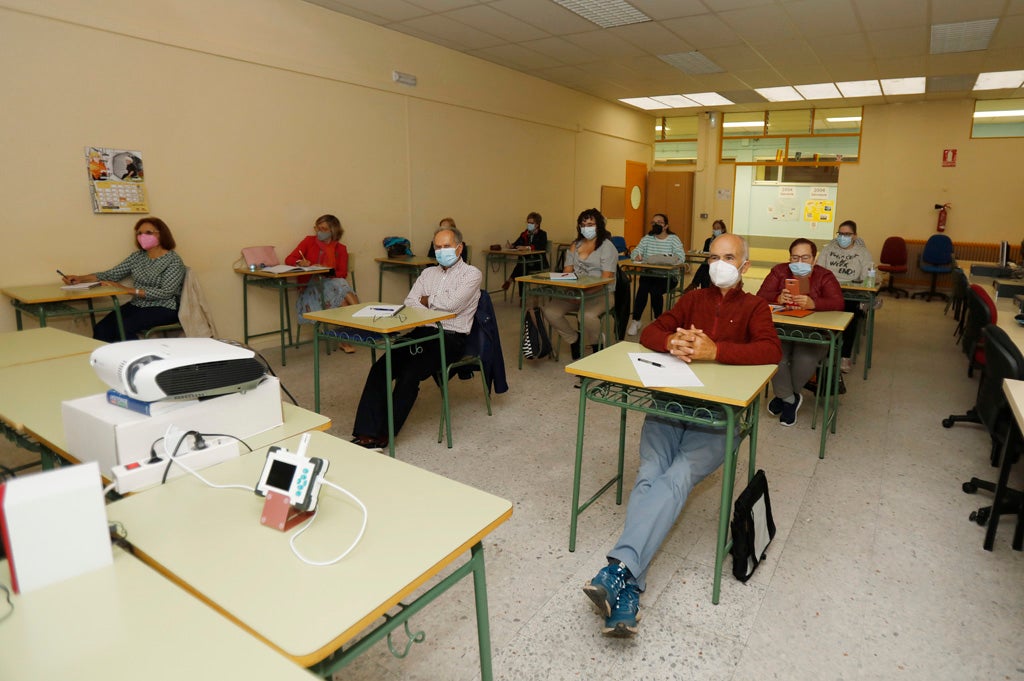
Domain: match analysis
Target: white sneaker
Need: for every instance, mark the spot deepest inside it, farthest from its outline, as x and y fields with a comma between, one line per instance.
x=846, y=365
x=633, y=328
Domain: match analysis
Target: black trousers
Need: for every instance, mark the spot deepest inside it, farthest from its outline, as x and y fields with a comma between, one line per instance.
x=655, y=287
x=136, y=320
x=850, y=333
x=409, y=366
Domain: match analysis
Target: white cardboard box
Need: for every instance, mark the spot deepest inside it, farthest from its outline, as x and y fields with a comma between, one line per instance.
x=96, y=430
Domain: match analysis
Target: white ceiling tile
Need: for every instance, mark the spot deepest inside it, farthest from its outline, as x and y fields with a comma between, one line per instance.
x=669, y=9
x=899, y=42
x=441, y=5
x=544, y=14
x=518, y=56
x=496, y=23
x=781, y=54
x=713, y=82
x=704, y=30
x=882, y=14
x=1003, y=60
x=832, y=47
x=605, y=44
x=454, y=32
x=392, y=10
x=754, y=78
x=1009, y=33
x=562, y=50
x=652, y=37
x=726, y=5
x=802, y=74
x=754, y=23
x=953, y=11
x=843, y=70
x=955, y=64
x=735, y=58
x=822, y=17
x=902, y=67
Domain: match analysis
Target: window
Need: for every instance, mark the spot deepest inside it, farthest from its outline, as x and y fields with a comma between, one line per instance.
x=792, y=137
x=676, y=139
x=998, y=118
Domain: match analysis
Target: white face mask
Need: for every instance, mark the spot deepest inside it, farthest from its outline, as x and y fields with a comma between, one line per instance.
x=530, y=227
x=723, y=274
x=589, y=232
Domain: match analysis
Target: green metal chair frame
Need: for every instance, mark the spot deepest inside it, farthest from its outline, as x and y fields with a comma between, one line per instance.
x=468, y=360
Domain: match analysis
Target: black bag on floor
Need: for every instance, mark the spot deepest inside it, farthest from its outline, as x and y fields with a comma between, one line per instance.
x=752, y=527
x=536, y=344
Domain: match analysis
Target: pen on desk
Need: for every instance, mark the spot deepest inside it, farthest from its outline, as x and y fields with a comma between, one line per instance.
x=647, y=361
x=382, y=309
x=61, y=273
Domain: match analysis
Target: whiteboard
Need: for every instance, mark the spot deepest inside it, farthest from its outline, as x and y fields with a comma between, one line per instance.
x=786, y=210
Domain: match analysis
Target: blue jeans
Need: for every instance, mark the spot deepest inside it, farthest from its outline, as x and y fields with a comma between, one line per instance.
x=674, y=456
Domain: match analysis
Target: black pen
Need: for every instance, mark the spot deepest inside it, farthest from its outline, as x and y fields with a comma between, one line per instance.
x=647, y=361
x=61, y=273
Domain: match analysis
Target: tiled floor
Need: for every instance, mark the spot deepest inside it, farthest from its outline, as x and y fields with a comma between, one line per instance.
x=875, y=572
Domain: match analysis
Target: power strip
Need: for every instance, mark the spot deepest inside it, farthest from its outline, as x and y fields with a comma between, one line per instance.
x=141, y=474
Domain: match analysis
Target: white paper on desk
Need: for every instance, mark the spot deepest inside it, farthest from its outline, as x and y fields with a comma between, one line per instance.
x=563, y=276
x=81, y=287
x=379, y=310
x=673, y=372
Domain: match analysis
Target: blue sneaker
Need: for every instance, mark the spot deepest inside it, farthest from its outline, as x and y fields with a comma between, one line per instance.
x=626, y=613
x=604, y=588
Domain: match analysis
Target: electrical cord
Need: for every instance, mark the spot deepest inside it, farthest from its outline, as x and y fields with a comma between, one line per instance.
x=266, y=365
x=355, y=542
x=7, y=595
x=199, y=443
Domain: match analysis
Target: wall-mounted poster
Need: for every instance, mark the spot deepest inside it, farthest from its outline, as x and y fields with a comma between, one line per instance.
x=116, y=180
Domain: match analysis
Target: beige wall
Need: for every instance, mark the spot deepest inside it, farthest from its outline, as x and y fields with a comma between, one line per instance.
x=255, y=116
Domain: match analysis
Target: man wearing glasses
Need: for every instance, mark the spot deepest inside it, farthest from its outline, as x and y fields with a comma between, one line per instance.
x=848, y=258
x=819, y=290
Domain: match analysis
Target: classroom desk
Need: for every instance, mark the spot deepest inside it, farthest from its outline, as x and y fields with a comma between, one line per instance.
x=528, y=259
x=379, y=333
x=667, y=272
x=33, y=345
x=819, y=328
x=860, y=292
x=697, y=256
x=1014, y=391
x=44, y=301
x=729, y=399
x=113, y=623
x=210, y=542
x=412, y=265
x=582, y=289
x=282, y=283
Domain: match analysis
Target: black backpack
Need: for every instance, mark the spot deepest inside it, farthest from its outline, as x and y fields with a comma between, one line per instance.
x=536, y=344
x=752, y=527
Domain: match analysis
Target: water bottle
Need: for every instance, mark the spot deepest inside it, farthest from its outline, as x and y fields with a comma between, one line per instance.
x=869, y=277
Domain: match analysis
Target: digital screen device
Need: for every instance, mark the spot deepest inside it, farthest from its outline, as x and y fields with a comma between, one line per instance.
x=294, y=475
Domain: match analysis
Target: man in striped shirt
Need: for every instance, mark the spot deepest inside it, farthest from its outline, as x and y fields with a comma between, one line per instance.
x=452, y=286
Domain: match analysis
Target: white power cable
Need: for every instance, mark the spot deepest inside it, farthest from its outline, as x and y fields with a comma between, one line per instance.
x=355, y=542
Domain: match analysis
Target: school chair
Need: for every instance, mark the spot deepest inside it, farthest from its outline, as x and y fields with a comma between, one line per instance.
x=894, y=261
x=936, y=259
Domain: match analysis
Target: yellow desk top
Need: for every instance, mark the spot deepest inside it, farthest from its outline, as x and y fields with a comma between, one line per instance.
x=632, y=264
x=859, y=286
x=113, y=623
x=283, y=275
x=33, y=345
x=53, y=293
x=582, y=282
x=731, y=384
x=513, y=251
x=211, y=542
x=1014, y=391
x=409, y=318
x=411, y=260
x=831, y=320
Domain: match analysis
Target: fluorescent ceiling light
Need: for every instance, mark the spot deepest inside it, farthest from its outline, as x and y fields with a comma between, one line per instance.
x=903, y=86
x=999, y=80
x=779, y=94
x=744, y=124
x=819, y=91
x=709, y=98
x=674, y=101
x=965, y=36
x=860, y=88
x=998, y=114
x=605, y=13
x=693, y=63
x=844, y=119
x=644, y=103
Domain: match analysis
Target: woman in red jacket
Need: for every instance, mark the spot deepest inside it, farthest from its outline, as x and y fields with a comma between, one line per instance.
x=324, y=247
x=799, y=360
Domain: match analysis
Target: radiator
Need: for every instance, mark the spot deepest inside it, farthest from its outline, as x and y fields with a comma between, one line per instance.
x=966, y=250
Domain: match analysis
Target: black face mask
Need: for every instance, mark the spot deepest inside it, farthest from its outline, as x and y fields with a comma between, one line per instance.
x=656, y=228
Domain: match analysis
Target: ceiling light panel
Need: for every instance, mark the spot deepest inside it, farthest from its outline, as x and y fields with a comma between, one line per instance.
x=819, y=91
x=903, y=86
x=779, y=94
x=965, y=36
x=999, y=80
x=709, y=99
x=644, y=103
x=693, y=63
x=605, y=13
x=675, y=101
x=860, y=88
x=999, y=114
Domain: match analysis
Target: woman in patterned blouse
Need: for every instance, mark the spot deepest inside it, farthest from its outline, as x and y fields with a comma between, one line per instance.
x=156, y=273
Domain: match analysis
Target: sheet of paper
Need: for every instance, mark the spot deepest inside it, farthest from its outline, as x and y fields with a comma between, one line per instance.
x=662, y=370
x=379, y=310
x=81, y=287
x=282, y=269
x=563, y=275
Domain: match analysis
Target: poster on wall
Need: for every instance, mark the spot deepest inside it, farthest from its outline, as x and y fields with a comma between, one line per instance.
x=117, y=183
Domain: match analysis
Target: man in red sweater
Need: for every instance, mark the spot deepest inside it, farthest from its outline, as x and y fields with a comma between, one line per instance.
x=720, y=323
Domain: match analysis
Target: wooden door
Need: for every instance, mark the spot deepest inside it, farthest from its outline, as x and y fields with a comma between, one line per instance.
x=672, y=194
x=636, y=197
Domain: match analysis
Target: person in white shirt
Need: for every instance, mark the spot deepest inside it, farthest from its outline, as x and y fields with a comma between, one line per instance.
x=848, y=258
x=452, y=286
x=660, y=241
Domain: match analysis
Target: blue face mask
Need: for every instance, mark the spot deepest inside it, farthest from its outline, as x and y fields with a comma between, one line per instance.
x=844, y=240
x=446, y=257
x=716, y=232
x=530, y=227
x=323, y=236
x=588, y=232
x=800, y=269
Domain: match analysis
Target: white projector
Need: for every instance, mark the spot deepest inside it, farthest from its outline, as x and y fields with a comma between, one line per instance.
x=180, y=368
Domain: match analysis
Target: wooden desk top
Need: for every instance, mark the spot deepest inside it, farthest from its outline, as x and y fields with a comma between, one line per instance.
x=33, y=345
x=112, y=623
x=582, y=282
x=731, y=384
x=53, y=293
x=283, y=275
x=410, y=260
x=210, y=541
x=633, y=264
x=408, y=318
x=831, y=320
x=859, y=286
x=513, y=252
x=1014, y=391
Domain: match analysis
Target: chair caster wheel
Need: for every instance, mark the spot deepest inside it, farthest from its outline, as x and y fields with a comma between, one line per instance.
x=980, y=516
x=969, y=488
x=947, y=423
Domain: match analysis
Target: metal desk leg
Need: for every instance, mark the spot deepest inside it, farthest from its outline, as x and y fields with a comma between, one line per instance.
x=17, y=319
x=245, y=309
x=282, y=304
x=483, y=623
x=391, y=398
x=522, y=321
x=117, y=316
x=316, y=367
x=725, y=507
x=580, y=420
x=380, y=280
x=871, y=334
x=444, y=384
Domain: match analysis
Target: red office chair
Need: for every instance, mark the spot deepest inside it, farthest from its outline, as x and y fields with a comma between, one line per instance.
x=894, y=261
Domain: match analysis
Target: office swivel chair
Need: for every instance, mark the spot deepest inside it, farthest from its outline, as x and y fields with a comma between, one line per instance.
x=936, y=259
x=620, y=246
x=958, y=301
x=1004, y=361
x=894, y=261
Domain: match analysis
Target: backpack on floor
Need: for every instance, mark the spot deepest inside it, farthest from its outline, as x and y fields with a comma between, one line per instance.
x=536, y=344
x=752, y=527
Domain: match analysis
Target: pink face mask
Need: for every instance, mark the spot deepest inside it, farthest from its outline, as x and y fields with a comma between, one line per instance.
x=147, y=241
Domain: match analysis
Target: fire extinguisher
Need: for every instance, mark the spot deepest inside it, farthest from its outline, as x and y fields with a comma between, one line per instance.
x=943, y=209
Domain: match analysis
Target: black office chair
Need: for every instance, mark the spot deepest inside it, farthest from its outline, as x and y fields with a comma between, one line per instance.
x=1004, y=361
x=958, y=301
x=979, y=315
x=936, y=259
